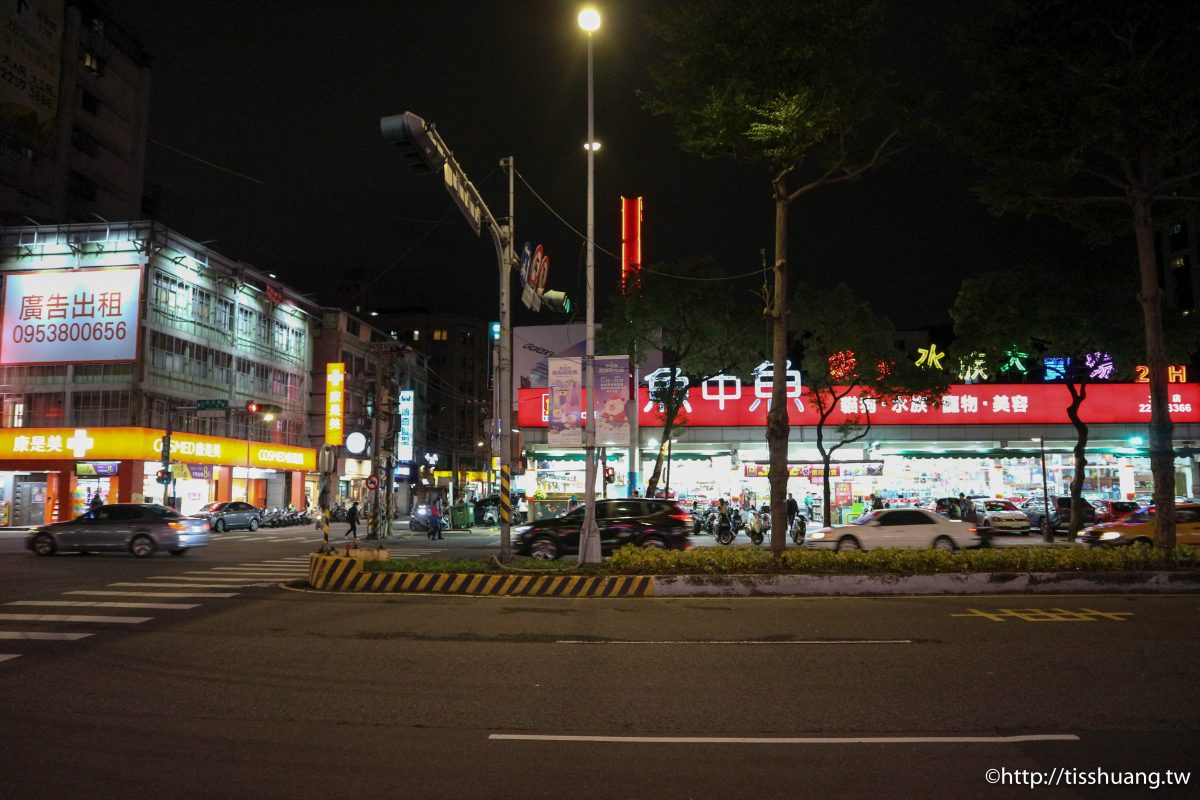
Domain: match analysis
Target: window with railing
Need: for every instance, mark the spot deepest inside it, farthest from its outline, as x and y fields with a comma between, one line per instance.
x=45, y=373
x=37, y=410
x=109, y=408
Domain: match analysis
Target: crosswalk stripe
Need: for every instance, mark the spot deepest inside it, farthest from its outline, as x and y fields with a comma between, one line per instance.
x=8, y=656
x=228, y=578
x=72, y=618
x=100, y=604
x=166, y=585
x=156, y=594
x=43, y=637
x=236, y=571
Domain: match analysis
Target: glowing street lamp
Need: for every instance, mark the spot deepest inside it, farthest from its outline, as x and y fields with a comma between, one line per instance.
x=589, y=535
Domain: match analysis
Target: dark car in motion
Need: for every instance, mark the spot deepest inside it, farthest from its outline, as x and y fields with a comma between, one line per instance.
x=227, y=515
x=642, y=521
x=138, y=528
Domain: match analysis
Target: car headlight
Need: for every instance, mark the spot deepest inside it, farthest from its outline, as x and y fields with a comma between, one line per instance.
x=1108, y=536
x=817, y=535
x=521, y=530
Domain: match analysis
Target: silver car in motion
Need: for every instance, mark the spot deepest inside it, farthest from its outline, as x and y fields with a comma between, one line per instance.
x=895, y=527
x=138, y=528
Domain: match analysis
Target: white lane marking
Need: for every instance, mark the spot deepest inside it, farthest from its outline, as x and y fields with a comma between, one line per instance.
x=1041, y=737
x=7, y=656
x=72, y=618
x=43, y=637
x=157, y=594
x=101, y=604
x=739, y=641
x=222, y=538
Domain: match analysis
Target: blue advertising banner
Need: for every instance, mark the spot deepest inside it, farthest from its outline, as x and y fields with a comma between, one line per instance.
x=612, y=400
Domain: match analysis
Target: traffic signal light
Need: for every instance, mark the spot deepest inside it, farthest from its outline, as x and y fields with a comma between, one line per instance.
x=411, y=136
x=557, y=301
x=610, y=475
x=254, y=407
x=163, y=476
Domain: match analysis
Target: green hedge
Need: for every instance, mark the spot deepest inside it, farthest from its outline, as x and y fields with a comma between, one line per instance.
x=632, y=560
x=758, y=561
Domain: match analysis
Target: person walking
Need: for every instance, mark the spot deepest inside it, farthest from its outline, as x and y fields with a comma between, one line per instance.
x=435, y=518
x=793, y=510
x=808, y=505
x=352, y=518
x=95, y=502
x=876, y=502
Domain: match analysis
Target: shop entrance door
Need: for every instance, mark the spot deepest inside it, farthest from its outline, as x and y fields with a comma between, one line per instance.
x=29, y=504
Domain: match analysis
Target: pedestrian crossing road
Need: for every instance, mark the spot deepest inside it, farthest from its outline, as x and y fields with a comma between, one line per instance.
x=38, y=624
x=72, y=616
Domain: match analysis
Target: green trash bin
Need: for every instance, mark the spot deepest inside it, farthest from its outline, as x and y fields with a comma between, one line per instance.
x=461, y=516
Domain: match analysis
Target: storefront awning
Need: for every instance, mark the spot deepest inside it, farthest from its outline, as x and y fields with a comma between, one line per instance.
x=1008, y=452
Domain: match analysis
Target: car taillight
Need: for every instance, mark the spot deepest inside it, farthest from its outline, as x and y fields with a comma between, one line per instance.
x=179, y=526
x=682, y=516
x=973, y=530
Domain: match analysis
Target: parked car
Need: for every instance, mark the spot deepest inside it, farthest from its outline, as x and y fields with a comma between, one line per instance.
x=949, y=508
x=1060, y=512
x=138, y=528
x=226, y=515
x=1138, y=528
x=1114, y=510
x=642, y=521
x=895, y=527
x=1004, y=516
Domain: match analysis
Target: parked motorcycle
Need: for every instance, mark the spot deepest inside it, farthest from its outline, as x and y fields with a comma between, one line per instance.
x=759, y=524
x=723, y=527
x=799, y=527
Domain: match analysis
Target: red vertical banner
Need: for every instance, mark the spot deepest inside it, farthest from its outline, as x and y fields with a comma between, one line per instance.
x=631, y=244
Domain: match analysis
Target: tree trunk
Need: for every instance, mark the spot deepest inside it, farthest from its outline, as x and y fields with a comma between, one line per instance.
x=669, y=414
x=777, y=417
x=1081, y=438
x=1162, y=454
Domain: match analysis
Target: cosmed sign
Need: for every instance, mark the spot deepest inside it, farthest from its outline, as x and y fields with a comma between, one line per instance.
x=75, y=316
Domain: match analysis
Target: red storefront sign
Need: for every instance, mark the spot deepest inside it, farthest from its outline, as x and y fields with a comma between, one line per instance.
x=727, y=405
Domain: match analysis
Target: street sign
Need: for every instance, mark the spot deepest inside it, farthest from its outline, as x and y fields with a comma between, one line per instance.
x=211, y=408
x=372, y=482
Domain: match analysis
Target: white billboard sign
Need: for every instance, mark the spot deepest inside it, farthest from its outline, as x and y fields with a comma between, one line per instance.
x=404, y=438
x=70, y=316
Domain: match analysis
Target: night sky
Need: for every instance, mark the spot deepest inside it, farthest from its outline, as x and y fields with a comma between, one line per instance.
x=288, y=96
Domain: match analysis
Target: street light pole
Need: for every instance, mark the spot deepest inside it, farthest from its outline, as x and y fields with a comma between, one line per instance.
x=1047, y=526
x=589, y=539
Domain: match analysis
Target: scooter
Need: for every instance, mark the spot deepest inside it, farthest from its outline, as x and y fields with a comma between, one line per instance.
x=799, y=528
x=421, y=519
x=760, y=524
x=723, y=528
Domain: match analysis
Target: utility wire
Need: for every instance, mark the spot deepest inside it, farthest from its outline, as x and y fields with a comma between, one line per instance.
x=582, y=236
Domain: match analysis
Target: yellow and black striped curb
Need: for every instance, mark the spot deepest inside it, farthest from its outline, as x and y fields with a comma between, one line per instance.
x=342, y=574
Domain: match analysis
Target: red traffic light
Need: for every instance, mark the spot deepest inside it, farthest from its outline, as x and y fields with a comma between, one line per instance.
x=252, y=407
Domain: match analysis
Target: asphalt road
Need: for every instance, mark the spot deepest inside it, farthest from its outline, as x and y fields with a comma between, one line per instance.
x=272, y=692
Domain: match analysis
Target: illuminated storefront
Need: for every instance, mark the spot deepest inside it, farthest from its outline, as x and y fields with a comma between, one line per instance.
x=120, y=464
x=980, y=438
